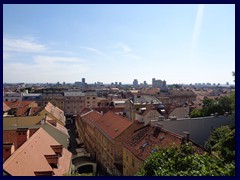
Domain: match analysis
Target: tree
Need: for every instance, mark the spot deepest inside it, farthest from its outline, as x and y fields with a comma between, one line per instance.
x=196, y=113
x=184, y=161
x=222, y=143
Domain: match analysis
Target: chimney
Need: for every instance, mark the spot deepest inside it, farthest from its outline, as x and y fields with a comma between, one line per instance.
x=22, y=136
x=186, y=135
x=8, y=150
x=158, y=129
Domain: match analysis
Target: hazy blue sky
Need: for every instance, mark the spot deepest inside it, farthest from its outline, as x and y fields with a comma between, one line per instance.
x=108, y=43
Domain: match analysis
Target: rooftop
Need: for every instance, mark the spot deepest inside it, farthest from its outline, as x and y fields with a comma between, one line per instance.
x=30, y=157
x=145, y=140
x=112, y=124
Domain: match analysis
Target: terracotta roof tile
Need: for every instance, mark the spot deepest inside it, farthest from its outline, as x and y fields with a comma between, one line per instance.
x=55, y=111
x=143, y=142
x=18, y=104
x=5, y=107
x=30, y=157
x=91, y=116
x=113, y=125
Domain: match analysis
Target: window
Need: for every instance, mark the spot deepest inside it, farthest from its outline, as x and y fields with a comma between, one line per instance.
x=88, y=97
x=19, y=133
x=94, y=97
x=126, y=156
x=133, y=162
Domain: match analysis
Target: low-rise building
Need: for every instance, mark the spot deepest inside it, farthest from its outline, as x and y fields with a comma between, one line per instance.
x=91, y=100
x=12, y=96
x=74, y=102
x=146, y=140
x=110, y=131
x=40, y=155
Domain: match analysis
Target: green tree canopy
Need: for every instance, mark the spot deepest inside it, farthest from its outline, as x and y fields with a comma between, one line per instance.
x=185, y=162
x=222, y=143
x=196, y=113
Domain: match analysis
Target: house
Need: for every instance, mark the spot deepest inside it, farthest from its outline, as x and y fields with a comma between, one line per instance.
x=16, y=136
x=110, y=131
x=146, y=114
x=12, y=96
x=86, y=125
x=20, y=104
x=53, y=112
x=40, y=155
x=74, y=102
x=91, y=100
x=180, y=112
x=138, y=147
x=135, y=104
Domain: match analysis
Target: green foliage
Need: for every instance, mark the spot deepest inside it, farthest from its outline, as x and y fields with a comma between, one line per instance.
x=196, y=113
x=222, y=143
x=184, y=162
x=220, y=106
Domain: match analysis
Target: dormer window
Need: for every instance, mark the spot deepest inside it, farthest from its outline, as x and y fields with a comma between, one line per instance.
x=57, y=149
x=52, y=160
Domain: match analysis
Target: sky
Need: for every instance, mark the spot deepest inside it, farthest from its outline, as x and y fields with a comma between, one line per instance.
x=118, y=43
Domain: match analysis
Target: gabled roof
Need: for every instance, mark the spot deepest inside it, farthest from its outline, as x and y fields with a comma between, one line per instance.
x=5, y=107
x=112, y=124
x=149, y=109
x=30, y=157
x=55, y=111
x=91, y=116
x=18, y=104
x=144, y=141
x=180, y=112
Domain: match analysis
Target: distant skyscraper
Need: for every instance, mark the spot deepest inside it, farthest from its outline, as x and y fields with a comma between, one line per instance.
x=135, y=83
x=83, y=80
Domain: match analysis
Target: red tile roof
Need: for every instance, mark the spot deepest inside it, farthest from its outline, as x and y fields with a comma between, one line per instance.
x=145, y=139
x=30, y=157
x=148, y=109
x=19, y=104
x=22, y=111
x=91, y=116
x=5, y=107
x=113, y=125
x=56, y=112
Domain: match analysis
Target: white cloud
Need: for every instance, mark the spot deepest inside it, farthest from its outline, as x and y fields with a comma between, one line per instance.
x=6, y=55
x=123, y=47
x=197, y=28
x=45, y=69
x=93, y=50
x=48, y=59
x=23, y=45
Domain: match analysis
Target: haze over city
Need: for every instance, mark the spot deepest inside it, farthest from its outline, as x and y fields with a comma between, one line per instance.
x=118, y=43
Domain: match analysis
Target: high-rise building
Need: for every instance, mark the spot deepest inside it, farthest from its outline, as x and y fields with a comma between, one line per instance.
x=158, y=83
x=135, y=83
x=83, y=80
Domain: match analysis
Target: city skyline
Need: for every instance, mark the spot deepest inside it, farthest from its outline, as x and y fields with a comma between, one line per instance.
x=119, y=43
